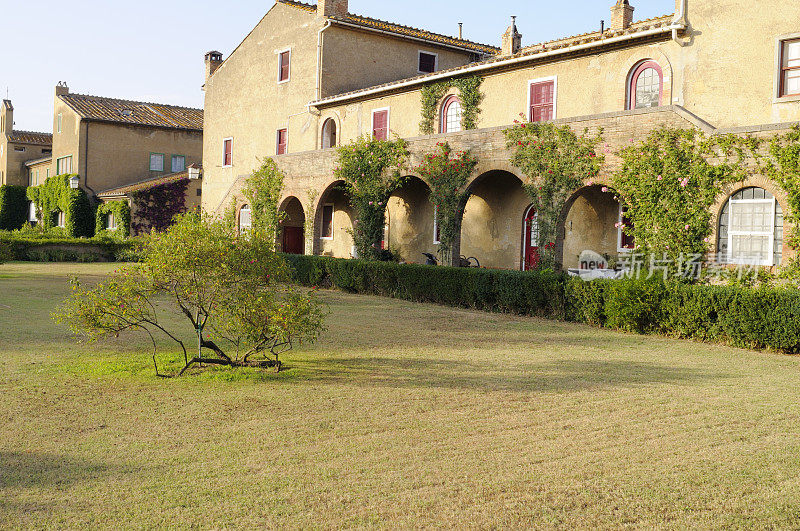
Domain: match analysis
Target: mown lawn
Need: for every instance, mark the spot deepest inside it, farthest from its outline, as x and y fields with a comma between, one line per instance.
x=402, y=415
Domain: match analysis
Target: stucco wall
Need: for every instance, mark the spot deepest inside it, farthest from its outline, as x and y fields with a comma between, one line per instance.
x=12, y=162
x=69, y=141
x=410, y=216
x=590, y=226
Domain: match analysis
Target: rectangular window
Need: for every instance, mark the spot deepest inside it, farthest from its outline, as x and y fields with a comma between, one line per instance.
x=284, y=66
x=32, y=212
x=227, y=150
x=46, y=151
x=790, y=68
x=751, y=226
x=64, y=165
x=156, y=162
x=31, y=178
x=428, y=62
x=58, y=122
x=21, y=149
x=111, y=222
x=47, y=173
x=625, y=242
x=283, y=138
x=380, y=124
x=61, y=220
x=327, y=222
x=542, y=100
x=178, y=163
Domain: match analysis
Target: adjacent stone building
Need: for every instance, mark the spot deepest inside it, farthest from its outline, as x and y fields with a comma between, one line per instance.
x=309, y=78
x=19, y=148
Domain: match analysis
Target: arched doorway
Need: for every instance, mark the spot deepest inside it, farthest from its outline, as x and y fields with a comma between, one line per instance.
x=593, y=220
x=329, y=137
x=333, y=223
x=292, y=231
x=490, y=225
x=530, y=236
x=410, y=221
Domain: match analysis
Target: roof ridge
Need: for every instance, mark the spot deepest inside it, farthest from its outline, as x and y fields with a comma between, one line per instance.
x=145, y=182
x=30, y=132
x=92, y=96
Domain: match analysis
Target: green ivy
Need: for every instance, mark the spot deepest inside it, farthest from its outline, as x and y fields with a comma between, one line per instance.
x=468, y=92
x=784, y=168
x=557, y=161
x=447, y=176
x=263, y=192
x=54, y=196
x=121, y=211
x=371, y=170
x=670, y=182
x=13, y=207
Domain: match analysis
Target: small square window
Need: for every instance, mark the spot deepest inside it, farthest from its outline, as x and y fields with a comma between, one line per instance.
x=156, y=162
x=428, y=62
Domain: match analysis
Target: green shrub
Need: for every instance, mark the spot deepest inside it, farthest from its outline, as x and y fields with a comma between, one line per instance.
x=764, y=318
x=13, y=207
x=55, y=196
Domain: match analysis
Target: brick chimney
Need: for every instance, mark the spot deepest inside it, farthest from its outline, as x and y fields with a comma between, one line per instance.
x=61, y=88
x=213, y=61
x=7, y=117
x=331, y=8
x=512, y=39
x=621, y=15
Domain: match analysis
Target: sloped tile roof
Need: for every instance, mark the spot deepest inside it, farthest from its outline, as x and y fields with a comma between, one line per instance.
x=144, y=185
x=659, y=23
x=401, y=30
x=34, y=162
x=30, y=137
x=134, y=112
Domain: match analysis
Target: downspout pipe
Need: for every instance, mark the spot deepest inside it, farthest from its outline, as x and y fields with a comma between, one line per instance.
x=680, y=22
x=86, y=162
x=319, y=58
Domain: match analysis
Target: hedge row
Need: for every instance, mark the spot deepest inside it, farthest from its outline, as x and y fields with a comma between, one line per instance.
x=765, y=318
x=69, y=250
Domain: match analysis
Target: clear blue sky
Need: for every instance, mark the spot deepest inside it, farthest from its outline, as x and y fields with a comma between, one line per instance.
x=152, y=50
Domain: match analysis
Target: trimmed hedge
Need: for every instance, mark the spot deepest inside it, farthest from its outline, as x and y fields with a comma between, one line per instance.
x=764, y=318
x=69, y=250
x=13, y=207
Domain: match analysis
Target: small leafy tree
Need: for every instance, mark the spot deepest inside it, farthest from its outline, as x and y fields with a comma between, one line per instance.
x=263, y=192
x=556, y=161
x=371, y=170
x=230, y=290
x=447, y=173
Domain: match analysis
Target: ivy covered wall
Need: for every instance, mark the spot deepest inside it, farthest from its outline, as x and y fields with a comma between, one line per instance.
x=55, y=196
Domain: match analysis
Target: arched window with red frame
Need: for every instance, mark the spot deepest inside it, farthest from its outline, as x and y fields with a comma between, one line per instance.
x=451, y=115
x=645, y=85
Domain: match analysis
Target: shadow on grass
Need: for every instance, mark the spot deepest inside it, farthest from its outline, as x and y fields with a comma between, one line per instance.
x=557, y=376
x=20, y=470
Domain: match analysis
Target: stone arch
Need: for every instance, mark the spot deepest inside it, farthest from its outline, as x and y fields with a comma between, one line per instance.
x=410, y=220
x=587, y=222
x=291, y=233
x=490, y=218
x=339, y=243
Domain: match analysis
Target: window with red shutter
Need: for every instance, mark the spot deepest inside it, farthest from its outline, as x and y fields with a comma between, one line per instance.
x=284, y=66
x=283, y=137
x=380, y=125
x=227, y=158
x=542, y=101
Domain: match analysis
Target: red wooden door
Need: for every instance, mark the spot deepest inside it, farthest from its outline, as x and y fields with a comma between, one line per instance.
x=293, y=240
x=531, y=243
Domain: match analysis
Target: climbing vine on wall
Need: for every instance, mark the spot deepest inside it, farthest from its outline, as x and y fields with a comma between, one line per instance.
x=447, y=174
x=155, y=208
x=121, y=211
x=469, y=93
x=783, y=167
x=55, y=196
x=371, y=170
x=557, y=161
x=669, y=182
x=263, y=192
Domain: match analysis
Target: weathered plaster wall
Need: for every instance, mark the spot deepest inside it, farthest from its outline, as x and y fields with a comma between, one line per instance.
x=590, y=225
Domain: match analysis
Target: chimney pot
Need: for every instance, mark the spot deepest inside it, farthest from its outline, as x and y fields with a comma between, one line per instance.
x=621, y=15
x=512, y=39
x=213, y=62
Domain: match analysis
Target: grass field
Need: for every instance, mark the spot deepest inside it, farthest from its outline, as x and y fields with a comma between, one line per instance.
x=402, y=415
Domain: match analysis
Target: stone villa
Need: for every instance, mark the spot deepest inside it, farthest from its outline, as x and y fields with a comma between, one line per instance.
x=309, y=78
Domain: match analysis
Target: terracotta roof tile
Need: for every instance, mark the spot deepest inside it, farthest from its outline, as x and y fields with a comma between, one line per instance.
x=35, y=162
x=528, y=51
x=144, y=185
x=30, y=137
x=134, y=112
x=401, y=30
